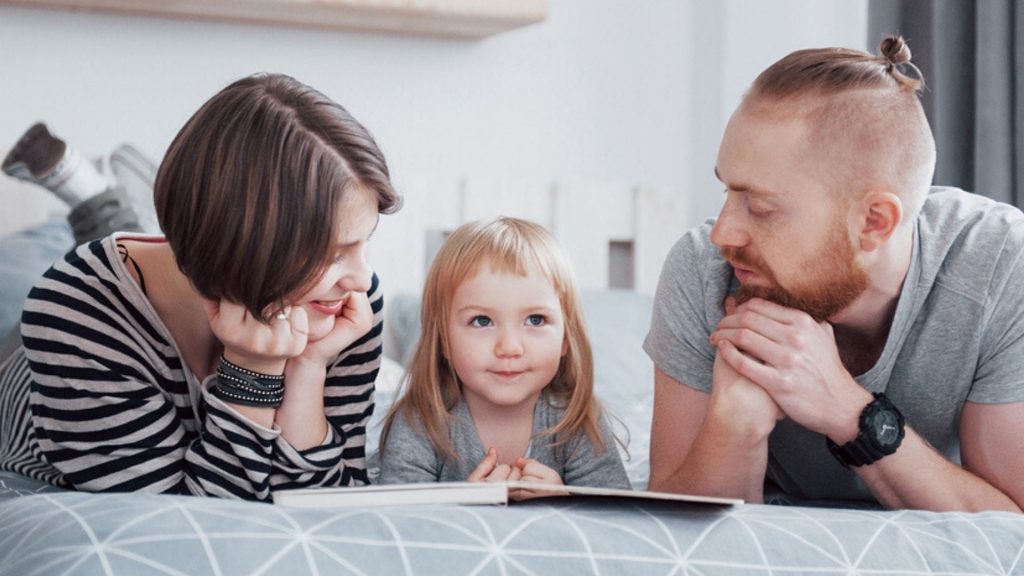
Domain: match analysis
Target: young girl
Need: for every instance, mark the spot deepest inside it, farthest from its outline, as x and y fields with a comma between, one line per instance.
x=234, y=355
x=501, y=386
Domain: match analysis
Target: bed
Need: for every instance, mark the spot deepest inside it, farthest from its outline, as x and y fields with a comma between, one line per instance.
x=617, y=245
x=47, y=533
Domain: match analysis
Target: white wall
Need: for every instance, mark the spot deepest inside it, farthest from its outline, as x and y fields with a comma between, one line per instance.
x=604, y=90
x=739, y=39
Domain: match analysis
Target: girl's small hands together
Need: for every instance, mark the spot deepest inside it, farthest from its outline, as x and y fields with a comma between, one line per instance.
x=533, y=471
x=525, y=469
x=488, y=470
x=351, y=324
x=253, y=344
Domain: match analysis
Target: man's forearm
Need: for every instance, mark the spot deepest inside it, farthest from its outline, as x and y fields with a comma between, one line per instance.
x=918, y=477
x=725, y=460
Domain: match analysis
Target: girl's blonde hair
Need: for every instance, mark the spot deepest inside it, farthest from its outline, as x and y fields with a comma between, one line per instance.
x=431, y=387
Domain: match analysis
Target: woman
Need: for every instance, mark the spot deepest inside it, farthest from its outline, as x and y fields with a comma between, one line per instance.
x=236, y=355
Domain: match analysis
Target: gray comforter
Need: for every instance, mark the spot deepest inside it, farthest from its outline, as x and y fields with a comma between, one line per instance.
x=44, y=531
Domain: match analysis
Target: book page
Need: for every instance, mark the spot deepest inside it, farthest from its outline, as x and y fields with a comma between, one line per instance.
x=463, y=493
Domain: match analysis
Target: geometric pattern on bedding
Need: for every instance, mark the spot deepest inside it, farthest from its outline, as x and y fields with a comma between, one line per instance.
x=44, y=531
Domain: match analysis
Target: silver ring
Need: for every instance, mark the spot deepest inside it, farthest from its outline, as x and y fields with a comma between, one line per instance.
x=282, y=315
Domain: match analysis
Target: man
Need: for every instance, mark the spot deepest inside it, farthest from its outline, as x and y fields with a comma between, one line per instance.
x=842, y=331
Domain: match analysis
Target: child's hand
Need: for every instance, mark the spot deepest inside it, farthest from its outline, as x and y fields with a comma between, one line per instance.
x=250, y=343
x=488, y=470
x=534, y=471
x=354, y=321
x=531, y=470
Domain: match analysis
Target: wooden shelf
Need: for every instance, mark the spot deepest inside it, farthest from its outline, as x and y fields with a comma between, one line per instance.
x=471, y=19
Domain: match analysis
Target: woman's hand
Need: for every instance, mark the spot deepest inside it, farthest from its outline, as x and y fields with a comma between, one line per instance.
x=252, y=344
x=301, y=415
x=351, y=324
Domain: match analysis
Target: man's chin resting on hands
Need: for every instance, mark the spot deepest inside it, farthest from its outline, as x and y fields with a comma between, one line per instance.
x=842, y=331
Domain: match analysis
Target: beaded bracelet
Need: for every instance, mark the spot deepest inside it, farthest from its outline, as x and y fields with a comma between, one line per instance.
x=240, y=385
x=263, y=379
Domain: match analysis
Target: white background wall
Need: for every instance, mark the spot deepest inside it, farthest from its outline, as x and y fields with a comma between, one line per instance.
x=603, y=90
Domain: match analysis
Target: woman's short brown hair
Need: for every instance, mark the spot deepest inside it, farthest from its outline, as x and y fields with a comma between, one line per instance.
x=248, y=192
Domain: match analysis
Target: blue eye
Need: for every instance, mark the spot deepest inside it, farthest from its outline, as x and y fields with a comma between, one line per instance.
x=536, y=320
x=480, y=321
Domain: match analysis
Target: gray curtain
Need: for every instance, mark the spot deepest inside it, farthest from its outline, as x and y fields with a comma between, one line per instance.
x=971, y=53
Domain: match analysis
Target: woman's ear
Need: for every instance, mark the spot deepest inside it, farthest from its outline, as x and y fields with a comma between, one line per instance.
x=878, y=216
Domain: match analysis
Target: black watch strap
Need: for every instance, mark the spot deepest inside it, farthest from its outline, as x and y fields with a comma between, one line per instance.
x=853, y=453
x=867, y=448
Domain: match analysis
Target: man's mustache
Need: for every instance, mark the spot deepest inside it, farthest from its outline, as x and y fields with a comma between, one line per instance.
x=740, y=259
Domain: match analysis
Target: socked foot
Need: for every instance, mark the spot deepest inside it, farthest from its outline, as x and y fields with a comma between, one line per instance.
x=44, y=159
x=35, y=155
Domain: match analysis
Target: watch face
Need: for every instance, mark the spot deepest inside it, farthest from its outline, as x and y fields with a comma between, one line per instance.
x=887, y=428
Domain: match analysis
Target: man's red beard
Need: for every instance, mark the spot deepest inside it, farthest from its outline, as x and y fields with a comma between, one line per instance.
x=827, y=286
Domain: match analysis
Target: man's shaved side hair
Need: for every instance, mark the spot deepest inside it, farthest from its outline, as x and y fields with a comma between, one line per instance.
x=864, y=114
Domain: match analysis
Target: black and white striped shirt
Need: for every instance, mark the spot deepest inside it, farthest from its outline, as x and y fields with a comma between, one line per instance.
x=98, y=399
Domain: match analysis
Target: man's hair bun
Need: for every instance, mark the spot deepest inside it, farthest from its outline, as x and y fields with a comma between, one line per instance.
x=895, y=50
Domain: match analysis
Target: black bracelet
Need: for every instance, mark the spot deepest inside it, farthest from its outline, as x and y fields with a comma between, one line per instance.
x=239, y=385
x=229, y=381
x=227, y=366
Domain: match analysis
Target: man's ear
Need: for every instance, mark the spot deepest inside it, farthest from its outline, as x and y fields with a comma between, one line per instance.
x=878, y=216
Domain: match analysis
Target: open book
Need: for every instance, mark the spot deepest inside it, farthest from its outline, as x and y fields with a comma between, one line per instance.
x=461, y=493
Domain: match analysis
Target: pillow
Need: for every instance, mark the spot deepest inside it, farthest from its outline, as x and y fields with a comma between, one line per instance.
x=25, y=204
x=617, y=323
x=24, y=256
x=31, y=242
x=389, y=380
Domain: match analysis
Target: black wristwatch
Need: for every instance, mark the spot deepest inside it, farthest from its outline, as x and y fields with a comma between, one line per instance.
x=881, y=432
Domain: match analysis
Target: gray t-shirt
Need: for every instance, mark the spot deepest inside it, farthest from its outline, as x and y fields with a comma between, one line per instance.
x=957, y=335
x=408, y=456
